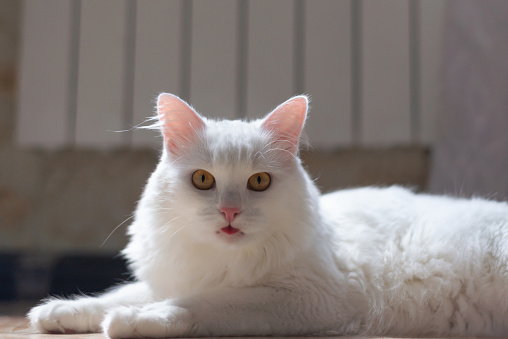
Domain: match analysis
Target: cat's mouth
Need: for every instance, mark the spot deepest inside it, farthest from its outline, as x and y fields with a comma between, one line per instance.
x=230, y=230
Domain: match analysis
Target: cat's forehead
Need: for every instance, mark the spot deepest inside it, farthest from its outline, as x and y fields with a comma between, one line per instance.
x=235, y=142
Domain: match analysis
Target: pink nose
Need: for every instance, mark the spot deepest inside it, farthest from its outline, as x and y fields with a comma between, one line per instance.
x=230, y=213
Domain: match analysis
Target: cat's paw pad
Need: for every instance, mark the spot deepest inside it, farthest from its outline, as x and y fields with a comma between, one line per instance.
x=154, y=320
x=65, y=316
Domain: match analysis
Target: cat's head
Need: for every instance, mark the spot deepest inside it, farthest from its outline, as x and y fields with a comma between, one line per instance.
x=233, y=183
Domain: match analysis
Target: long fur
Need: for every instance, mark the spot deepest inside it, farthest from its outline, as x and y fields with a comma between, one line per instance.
x=369, y=261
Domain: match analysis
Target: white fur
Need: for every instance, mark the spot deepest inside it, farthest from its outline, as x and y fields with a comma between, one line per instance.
x=371, y=261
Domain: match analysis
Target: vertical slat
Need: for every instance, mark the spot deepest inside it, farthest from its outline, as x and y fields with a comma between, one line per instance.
x=299, y=41
x=414, y=70
x=432, y=25
x=356, y=71
x=242, y=20
x=385, y=72
x=214, y=57
x=102, y=58
x=127, y=108
x=73, y=82
x=158, y=25
x=219, y=65
x=45, y=69
x=270, y=60
x=328, y=71
x=185, y=48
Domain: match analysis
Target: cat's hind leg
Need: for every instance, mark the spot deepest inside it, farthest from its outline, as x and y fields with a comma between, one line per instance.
x=85, y=314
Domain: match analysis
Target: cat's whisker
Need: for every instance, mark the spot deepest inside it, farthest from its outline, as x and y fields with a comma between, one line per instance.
x=268, y=145
x=281, y=150
x=165, y=227
x=198, y=135
x=176, y=160
x=280, y=142
x=110, y=234
x=178, y=230
x=291, y=144
x=160, y=208
x=155, y=123
x=272, y=149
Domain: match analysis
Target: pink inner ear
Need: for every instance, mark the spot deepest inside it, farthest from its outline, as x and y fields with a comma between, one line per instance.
x=180, y=122
x=286, y=123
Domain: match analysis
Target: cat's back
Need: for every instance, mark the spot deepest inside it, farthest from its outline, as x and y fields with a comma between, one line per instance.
x=376, y=217
x=397, y=208
x=435, y=256
x=380, y=211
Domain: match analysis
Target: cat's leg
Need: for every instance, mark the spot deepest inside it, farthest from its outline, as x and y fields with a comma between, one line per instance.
x=85, y=314
x=255, y=311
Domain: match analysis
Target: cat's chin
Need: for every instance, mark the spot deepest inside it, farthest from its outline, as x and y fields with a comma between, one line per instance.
x=231, y=235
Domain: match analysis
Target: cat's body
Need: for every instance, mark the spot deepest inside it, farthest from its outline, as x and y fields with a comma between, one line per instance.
x=231, y=257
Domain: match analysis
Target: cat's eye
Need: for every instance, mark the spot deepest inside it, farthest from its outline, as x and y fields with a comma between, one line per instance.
x=202, y=180
x=259, y=181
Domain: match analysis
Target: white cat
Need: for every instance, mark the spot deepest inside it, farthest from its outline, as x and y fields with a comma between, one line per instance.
x=232, y=238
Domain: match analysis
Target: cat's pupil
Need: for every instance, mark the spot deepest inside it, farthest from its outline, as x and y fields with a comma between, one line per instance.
x=203, y=178
x=259, y=179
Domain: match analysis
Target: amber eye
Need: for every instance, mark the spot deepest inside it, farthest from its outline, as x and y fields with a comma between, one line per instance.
x=202, y=180
x=259, y=181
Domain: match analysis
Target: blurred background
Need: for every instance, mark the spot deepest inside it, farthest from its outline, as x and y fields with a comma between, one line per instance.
x=406, y=92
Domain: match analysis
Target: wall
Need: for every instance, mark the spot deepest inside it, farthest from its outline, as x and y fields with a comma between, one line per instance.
x=68, y=200
x=370, y=67
x=471, y=154
x=55, y=202
x=59, y=203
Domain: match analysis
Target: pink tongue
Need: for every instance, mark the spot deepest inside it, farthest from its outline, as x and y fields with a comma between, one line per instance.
x=229, y=229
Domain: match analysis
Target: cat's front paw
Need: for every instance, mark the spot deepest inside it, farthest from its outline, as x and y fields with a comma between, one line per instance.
x=155, y=320
x=66, y=316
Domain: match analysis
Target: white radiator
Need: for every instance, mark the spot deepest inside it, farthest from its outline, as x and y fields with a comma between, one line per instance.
x=89, y=68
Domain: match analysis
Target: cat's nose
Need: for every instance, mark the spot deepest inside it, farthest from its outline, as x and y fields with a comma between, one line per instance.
x=230, y=213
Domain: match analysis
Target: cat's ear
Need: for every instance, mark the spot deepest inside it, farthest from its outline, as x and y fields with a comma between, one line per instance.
x=286, y=122
x=179, y=122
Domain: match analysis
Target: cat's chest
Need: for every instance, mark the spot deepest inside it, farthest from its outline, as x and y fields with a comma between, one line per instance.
x=195, y=271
